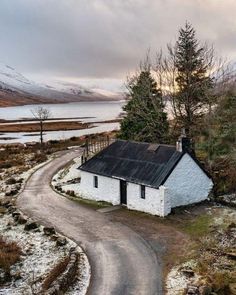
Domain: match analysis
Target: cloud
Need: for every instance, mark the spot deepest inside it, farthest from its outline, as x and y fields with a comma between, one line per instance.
x=103, y=38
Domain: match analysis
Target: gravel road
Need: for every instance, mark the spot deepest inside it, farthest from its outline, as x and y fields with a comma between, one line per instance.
x=121, y=261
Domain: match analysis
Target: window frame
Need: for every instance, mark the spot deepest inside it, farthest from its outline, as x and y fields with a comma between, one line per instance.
x=142, y=191
x=95, y=181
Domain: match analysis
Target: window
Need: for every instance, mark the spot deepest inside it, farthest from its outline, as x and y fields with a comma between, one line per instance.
x=142, y=190
x=95, y=181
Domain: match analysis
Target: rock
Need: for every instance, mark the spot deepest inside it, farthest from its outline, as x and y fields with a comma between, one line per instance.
x=187, y=272
x=15, y=214
x=48, y=231
x=232, y=289
x=54, y=237
x=11, y=192
x=61, y=241
x=22, y=219
x=192, y=290
x=31, y=225
x=6, y=204
x=12, y=209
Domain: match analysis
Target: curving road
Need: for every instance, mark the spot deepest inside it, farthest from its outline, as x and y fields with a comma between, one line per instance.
x=121, y=261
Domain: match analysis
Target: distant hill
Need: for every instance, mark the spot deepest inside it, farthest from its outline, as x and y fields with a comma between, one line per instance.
x=16, y=89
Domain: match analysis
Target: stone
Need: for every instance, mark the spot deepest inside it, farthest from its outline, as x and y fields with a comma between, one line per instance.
x=7, y=204
x=22, y=219
x=49, y=231
x=31, y=225
x=187, y=272
x=192, y=290
x=11, y=192
x=61, y=241
x=12, y=209
x=15, y=215
x=54, y=237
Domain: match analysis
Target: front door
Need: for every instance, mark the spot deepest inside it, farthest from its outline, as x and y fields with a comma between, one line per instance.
x=123, y=192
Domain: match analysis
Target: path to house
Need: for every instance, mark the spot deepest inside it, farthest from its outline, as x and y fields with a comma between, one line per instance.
x=122, y=262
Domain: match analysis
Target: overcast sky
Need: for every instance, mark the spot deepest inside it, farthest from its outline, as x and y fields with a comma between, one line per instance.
x=97, y=39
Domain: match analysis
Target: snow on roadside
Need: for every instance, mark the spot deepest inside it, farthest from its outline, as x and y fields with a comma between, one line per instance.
x=81, y=285
x=69, y=173
x=68, y=178
x=40, y=254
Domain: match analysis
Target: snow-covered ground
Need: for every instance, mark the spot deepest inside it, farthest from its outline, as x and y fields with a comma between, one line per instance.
x=68, y=178
x=40, y=255
x=40, y=252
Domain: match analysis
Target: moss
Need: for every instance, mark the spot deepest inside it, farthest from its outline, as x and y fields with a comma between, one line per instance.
x=199, y=226
x=90, y=203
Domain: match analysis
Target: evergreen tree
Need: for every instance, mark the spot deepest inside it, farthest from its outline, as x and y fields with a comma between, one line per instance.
x=193, y=81
x=145, y=119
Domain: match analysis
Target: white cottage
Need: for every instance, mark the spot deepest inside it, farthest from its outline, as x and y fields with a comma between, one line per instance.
x=151, y=178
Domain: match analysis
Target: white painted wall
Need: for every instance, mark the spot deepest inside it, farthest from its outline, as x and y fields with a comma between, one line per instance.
x=187, y=183
x=108, y=188
x=155, y=202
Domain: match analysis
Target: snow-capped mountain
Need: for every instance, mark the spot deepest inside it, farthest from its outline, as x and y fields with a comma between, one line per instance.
x=14, y=85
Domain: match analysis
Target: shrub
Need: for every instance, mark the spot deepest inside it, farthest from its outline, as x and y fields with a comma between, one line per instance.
x=5, y=165
x=11, y=180
x=9, y=254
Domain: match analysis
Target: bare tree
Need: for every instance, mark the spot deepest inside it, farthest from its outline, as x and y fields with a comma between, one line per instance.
x=41, y=114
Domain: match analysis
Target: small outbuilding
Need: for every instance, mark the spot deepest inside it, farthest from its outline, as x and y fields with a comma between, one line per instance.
x=151, y=178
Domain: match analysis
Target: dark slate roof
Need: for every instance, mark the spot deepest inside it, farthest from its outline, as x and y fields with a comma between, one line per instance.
x=143, y=163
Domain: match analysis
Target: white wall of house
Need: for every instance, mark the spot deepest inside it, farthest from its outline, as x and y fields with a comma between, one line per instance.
x=156, y=201
x=108, y=188
x=187, y=184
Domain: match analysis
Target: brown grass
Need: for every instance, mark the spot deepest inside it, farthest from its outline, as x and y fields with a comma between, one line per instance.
x=55, y=273
x=47, y=126
x=9, y=254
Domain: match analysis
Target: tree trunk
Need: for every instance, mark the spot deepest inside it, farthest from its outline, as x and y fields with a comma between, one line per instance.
x=41, y=132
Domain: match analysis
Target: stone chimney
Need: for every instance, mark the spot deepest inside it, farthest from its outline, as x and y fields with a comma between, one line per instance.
x=184, y=143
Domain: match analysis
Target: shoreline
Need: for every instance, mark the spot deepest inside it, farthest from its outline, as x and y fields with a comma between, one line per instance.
x=50, y=126
x=9, y=103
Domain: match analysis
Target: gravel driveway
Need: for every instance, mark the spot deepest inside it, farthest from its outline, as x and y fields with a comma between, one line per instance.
x=121, y=261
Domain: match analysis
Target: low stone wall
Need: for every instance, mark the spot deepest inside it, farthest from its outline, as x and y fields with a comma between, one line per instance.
x=67, y=278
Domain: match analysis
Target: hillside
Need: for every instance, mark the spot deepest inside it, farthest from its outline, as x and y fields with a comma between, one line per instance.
x=16, y=89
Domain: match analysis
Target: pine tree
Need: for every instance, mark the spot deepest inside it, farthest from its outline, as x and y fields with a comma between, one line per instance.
x=193, y=81
x=145, y=119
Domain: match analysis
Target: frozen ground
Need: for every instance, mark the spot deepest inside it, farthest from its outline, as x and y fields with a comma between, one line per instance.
x=222, y=237
x=40, y=252
x=69, y=178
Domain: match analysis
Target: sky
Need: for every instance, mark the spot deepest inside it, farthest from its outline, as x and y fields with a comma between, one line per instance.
x=102, y=41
